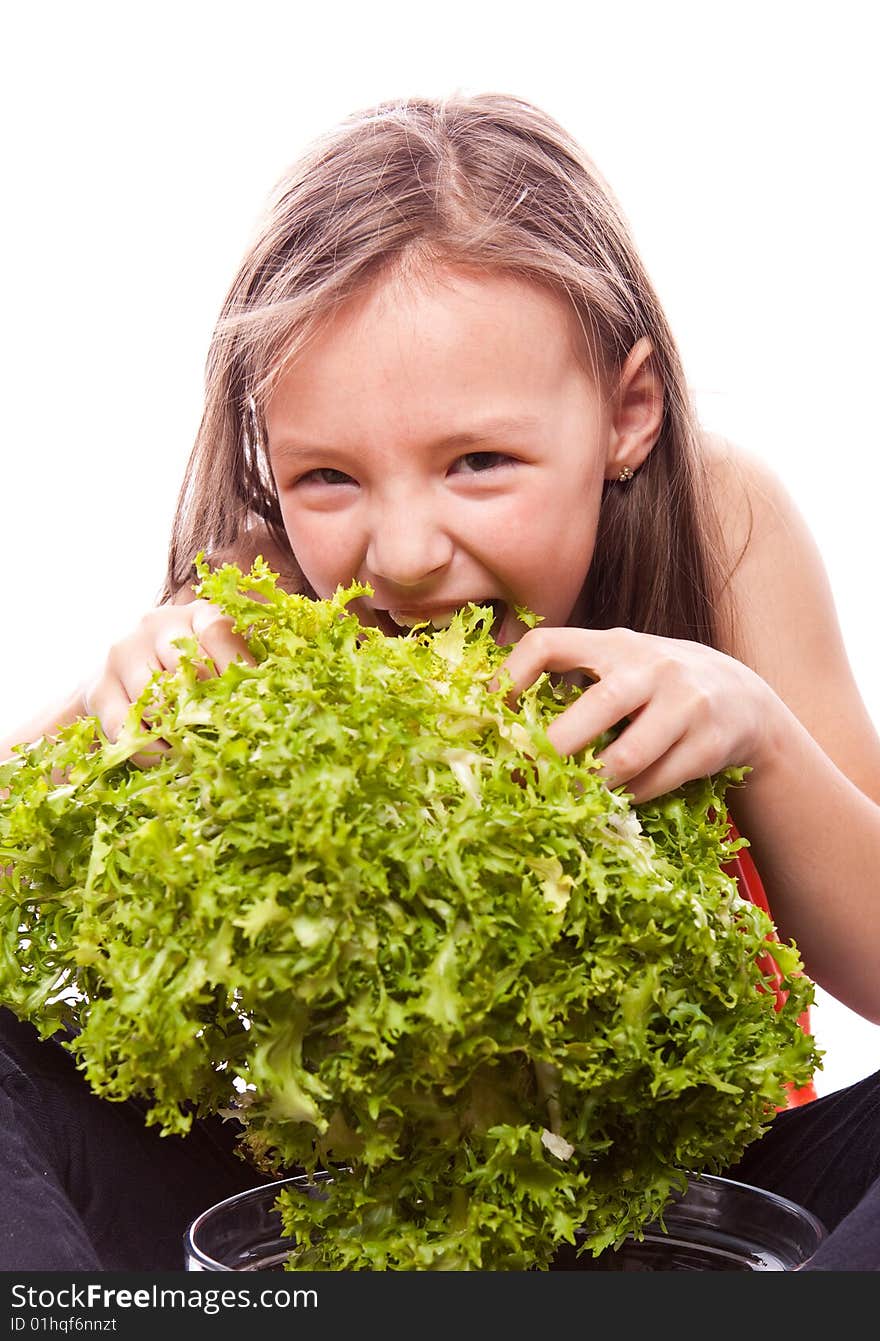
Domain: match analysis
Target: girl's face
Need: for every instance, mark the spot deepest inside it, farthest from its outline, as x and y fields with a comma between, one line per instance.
x=442, y=441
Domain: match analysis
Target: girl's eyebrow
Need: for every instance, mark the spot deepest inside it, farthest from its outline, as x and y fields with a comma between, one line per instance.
x=496, y=428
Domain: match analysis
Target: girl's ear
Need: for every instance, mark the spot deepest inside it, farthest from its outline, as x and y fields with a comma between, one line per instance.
x=636, y=411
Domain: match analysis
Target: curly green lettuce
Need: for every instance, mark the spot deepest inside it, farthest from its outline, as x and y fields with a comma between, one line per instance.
x=360, y=904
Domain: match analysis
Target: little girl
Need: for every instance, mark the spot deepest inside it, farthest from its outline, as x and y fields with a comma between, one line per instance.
x=443, y=371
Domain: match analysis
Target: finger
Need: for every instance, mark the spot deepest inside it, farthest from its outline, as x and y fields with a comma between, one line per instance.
x=216, y=638
x=648, y=737
x=150, y=756
x=697, y=754
x=110, y=703
x=542, y=650
x=169, y=654
x=120, y=690
x=116, y=707
x=135, y=675
x=679, y=764
x=599, y=708
x=166, y=652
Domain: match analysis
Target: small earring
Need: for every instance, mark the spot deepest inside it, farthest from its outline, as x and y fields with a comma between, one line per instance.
x=625, y=474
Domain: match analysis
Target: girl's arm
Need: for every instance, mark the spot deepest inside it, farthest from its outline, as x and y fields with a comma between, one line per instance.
x=46, y=723
x=811, y=806
x=150, y=646
x=781, y=699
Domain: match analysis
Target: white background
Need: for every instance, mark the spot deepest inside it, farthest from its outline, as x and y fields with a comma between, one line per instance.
x=140, y=144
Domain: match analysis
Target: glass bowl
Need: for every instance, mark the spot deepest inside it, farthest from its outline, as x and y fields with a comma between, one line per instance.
x=716, y=1225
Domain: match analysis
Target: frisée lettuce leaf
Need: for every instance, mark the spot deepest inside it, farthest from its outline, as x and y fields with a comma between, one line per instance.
x=360, y=904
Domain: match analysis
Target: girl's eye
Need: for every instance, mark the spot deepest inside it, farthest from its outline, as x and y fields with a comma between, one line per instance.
x=325, y=475
x=474, y=463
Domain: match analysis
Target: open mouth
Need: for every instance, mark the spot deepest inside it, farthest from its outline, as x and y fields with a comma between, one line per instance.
x=399, y=622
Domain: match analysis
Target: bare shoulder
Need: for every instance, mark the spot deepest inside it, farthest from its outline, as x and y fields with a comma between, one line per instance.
x=774, y=579
x=750, y=499
x=778, y=601
x=256, y=542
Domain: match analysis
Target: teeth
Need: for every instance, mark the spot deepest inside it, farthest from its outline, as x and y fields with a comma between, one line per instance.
x=404, y=620
x=409, y=621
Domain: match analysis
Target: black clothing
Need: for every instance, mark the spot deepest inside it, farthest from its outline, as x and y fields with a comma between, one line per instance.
x=86, y=1185
x=825, y=1155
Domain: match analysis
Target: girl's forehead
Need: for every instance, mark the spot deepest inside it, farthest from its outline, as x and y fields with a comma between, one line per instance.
x=468, y=296
x=443, y=320
x=448, y=356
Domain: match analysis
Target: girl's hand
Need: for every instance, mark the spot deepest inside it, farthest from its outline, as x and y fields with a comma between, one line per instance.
x=691, y=710
x=150, y=647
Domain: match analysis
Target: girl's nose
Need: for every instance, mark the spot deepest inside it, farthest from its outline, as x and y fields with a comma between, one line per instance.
x=407, y=545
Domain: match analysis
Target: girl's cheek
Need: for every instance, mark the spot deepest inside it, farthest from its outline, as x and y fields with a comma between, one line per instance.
x=326, y=550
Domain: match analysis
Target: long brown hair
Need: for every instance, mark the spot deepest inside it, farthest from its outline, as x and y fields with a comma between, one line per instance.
x=488, y=181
